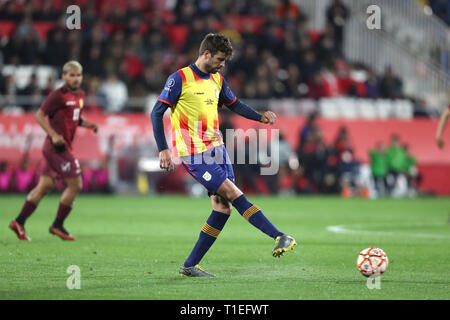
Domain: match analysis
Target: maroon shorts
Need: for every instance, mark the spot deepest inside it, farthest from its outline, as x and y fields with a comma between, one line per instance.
x=59, y=165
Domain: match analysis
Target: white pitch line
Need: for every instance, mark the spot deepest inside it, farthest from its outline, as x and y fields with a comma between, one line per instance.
x=344, y=230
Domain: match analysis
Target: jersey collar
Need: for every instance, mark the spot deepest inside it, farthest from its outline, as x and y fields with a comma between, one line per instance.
x=198, y=72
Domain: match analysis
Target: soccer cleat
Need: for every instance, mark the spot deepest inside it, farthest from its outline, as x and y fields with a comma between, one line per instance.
x=195, y=271
x=19, y=230
x=62, y=233
x=282, y=244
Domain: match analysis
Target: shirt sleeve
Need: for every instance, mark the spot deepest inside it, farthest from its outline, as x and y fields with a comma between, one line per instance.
x=244, y=110
x=172, y=90
x=226, y=96
x=158, y=124
x=52, y=103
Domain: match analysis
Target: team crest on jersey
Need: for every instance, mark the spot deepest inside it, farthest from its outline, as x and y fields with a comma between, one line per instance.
x=81, y=103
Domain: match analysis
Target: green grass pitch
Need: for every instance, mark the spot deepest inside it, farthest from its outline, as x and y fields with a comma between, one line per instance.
x=131, y=247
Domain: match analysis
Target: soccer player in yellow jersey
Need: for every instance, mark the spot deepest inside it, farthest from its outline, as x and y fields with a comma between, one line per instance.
x=194, y=94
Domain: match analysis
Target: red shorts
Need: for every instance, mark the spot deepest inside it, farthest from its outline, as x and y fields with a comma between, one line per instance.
x=59, y=165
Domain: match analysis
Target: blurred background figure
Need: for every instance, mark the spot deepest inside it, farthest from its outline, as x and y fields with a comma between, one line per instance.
x=379, y=168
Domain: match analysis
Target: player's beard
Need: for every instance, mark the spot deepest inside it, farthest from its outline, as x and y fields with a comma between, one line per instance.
x=211, y=69
x=73, y=88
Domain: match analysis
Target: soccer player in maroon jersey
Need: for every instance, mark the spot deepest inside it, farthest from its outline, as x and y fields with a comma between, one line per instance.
x=59, y=116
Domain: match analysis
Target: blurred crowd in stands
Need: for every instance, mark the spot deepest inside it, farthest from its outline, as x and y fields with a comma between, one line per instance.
x=317, y=167
x=129, y=50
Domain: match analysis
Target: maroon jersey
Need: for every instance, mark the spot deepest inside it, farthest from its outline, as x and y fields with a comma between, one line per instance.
x=63, y=109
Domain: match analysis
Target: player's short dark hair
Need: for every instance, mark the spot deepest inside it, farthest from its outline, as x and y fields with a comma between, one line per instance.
x=216, y=42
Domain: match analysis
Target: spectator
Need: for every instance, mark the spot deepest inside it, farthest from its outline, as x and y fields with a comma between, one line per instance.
x=379, y=168
x=337, y=15
x=371, y=84
x=246, y=166
x=94, y=99
x=57, y=51
x=101, y=177
x=413, y=175
x=293, y=83
x=197, y=32
x=285, y=155
x=46, y=12
x=391, y=86
x=50, y=86
x=285, y=9
x=116, y=93
x=313, y=158
x=308, y=65
x=94, y=64
x=6, y=175
x=342, y=141
x=396, y=159
x=316, y=87
x=24, y=177
x=307, y=129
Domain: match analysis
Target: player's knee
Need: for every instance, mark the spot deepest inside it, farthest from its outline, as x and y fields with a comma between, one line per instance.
x=76, y=186
x=222, y=205
x=45, y=188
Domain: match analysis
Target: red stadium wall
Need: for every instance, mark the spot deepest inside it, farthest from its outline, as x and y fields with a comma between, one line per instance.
x=434, y=164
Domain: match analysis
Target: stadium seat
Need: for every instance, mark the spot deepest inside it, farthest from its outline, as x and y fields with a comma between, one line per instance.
x=23, y=73
x=328, y=108
x=366, y=109
x=403, y=109
x=347, y=107
x=383, y=108
x=7, y=29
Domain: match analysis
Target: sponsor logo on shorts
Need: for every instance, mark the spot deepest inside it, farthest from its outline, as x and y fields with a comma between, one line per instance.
x=207, y=176
x=65, y=167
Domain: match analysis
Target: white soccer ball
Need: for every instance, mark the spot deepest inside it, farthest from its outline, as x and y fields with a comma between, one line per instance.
x=372, y=262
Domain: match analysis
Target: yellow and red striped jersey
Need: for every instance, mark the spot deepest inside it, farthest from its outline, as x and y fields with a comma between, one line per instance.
x=194, y=98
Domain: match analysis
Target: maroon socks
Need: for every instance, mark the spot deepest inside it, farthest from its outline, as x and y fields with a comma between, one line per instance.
x=27, y=209
x=63, y=212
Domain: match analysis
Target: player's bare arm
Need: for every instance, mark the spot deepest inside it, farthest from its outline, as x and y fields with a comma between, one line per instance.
x=88, y=125
x=56, y=138
x=440, y=130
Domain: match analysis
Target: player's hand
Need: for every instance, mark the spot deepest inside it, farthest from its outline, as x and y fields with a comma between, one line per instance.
x=268, y=117
x=165, y=160
x=439, y=142
x=94, y=127
x=58, y=140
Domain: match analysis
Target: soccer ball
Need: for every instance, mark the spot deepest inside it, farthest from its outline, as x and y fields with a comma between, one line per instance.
x=372, y=262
